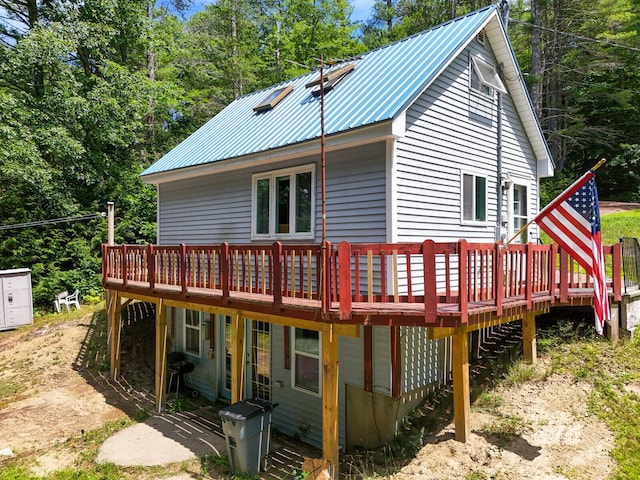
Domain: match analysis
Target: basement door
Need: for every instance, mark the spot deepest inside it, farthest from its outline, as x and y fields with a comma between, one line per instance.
x=257, y=365
x=258, y=360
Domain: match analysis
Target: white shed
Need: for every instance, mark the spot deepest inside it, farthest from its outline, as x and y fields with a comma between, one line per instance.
x=16, y=308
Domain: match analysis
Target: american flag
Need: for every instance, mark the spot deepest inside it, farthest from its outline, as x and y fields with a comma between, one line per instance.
x=573, y=221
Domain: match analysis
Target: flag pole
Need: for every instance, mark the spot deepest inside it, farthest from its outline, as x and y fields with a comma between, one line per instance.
x=593, y=169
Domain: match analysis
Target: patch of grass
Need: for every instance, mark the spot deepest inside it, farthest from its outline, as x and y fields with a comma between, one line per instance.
x=620, y=224
x=476, y=476
x=519, y=373
x=489, y=401
x=507, y=427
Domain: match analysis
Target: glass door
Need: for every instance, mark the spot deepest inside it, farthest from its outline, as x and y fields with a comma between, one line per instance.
x=225, y=359
x=259, y=361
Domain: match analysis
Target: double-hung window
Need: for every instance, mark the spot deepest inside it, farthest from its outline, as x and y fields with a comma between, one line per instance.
x=474, y=198
x=283, y=203
x=192, y=332
x=305, y=374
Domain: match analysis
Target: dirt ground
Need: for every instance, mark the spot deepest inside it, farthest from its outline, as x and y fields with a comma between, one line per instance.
x=555, y=437
x=607, y=206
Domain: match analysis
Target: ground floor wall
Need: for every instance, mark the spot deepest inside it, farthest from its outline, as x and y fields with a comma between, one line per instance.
x=364, y=416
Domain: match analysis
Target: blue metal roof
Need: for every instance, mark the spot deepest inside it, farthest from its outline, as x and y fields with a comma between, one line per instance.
x=383, y=84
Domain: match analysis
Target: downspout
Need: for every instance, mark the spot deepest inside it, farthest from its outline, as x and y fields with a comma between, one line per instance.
x=500, y=193
x=504, y=16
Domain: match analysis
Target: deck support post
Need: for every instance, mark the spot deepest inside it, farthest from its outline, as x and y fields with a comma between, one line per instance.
x=461, y=390
x=237, y=357
x=115, y=322
x=161, y=355
x=330, y=442
x=529, y=338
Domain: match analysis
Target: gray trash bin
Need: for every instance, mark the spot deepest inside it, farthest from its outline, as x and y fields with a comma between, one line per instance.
x=247, y=433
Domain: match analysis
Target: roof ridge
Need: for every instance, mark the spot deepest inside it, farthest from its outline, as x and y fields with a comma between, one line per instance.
x=364, y=54
x=431, y=29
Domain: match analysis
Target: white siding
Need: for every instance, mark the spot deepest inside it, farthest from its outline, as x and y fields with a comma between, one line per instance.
x=217, y=208
x=443, y=138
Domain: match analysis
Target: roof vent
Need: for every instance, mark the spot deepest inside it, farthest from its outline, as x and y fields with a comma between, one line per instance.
x=480, y=37
x=331, y=79
x=273, y=98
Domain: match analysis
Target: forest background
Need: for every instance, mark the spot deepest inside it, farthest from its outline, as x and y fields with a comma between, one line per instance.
x=94, y=91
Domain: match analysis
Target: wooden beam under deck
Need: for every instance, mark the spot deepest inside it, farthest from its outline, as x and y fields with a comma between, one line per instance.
x=461, y=391
x=330, y=376
x=115, y=322
x=161, y=356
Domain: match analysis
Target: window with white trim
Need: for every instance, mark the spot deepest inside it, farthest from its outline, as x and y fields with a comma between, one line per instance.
x=520, y=216
x=192, y=332
x=484, y=77
x=305, y=374
x=284, y=203
x=474, y=198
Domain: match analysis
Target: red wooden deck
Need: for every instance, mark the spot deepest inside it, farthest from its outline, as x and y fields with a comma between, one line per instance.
x=445, y=284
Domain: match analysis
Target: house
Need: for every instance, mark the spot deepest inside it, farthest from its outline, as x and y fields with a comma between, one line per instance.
x=432, y=137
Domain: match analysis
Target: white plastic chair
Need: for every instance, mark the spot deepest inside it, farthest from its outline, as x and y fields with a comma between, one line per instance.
x=63, y=298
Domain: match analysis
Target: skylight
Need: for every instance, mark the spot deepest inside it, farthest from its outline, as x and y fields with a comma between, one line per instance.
x=488, y=75
x=273, y=98
x=331, y=79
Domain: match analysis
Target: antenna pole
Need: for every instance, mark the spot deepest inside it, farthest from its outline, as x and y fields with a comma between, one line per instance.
x=325, y=263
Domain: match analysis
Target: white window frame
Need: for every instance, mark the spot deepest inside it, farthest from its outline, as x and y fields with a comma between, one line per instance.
x=487, y=75
x=198, y=328
x=475, y=176
x=318, y=357
x=272, y=176
x=512, y=215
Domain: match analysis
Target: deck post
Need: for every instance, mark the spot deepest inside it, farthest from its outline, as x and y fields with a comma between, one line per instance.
x=115, y=320
x=344, y=272
x=161, y=355
x=529, y=278
x=330, y=442
x=463, y=286
x=276, y=253
x=237, y=357
x=430, y=285
x=461, y=390
x=529, y=338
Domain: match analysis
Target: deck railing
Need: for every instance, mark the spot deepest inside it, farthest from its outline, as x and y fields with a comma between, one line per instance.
x=630, y=262
x=456, y=274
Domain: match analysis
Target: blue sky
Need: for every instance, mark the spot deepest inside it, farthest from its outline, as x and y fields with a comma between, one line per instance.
x=361, y=9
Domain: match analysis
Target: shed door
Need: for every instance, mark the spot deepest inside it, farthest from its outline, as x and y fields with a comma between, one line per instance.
x=17, y=301
x=3, y=325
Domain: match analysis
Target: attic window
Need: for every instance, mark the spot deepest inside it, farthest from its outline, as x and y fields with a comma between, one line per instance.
x=480, y=37
x=331, y=79
x=273, y=98
x=485, y=78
